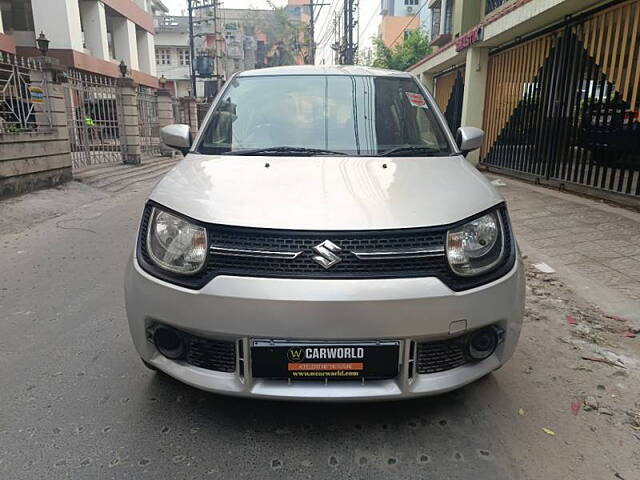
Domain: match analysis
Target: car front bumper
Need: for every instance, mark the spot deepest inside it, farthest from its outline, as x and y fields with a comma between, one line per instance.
x=406, y=309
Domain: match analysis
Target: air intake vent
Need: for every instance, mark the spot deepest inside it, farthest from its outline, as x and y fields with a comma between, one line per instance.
x=440, y=356
x=211, y=354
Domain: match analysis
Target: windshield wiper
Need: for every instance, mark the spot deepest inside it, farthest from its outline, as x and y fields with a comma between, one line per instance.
x=284, y=150
x=409, y=151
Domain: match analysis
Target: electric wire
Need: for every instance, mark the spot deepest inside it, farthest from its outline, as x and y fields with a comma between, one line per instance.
x=364, y=30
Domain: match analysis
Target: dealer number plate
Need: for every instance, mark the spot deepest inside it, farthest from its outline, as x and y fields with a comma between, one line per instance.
x=281, y=359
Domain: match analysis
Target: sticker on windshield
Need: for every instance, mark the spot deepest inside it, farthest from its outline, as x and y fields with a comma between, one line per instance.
x=416, y=100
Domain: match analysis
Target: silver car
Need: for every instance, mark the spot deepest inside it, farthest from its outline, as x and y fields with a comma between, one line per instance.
x=325, y=239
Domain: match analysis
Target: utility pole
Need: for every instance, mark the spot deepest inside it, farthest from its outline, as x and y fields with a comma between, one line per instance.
x=312, y=28
x=312, y=35
x=192, y=50
x=348, y=47
x=216, y=61
x=193, y=5
x=336, y=38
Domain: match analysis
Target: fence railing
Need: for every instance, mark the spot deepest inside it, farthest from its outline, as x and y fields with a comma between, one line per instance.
x=564, y=107
x=94, y=118
x=94, y=110
x=23, y=95
x=203, y=109
x=148, y=121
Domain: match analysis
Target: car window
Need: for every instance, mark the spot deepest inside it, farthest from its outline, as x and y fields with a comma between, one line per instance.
x=354, y=115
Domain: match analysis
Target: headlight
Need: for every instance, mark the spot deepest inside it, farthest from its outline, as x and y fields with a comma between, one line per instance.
x=477, y=246
x=175, y=244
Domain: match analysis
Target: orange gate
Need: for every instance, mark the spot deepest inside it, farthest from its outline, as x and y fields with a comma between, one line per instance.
x=449, y=96
x=564, y=106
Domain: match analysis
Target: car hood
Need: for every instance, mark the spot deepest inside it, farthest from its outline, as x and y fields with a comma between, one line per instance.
x=325, y=193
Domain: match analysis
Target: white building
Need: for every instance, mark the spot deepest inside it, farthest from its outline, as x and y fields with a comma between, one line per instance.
x=91, y=35
x=172, y=53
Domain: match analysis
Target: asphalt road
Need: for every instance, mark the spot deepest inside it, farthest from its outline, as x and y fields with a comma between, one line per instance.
x=76, y=402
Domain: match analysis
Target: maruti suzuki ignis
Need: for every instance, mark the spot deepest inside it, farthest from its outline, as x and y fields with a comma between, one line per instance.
x=325, y=239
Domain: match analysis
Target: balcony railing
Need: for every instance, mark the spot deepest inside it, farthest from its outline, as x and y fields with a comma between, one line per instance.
x=493, y=4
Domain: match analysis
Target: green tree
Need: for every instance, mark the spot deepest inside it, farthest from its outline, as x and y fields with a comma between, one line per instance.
x=292, y=36
x=414, y=48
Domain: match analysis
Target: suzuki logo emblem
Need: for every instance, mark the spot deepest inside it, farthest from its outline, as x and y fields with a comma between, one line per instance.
x=326, y=251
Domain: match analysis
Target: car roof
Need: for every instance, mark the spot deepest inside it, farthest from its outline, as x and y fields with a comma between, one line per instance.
x=324, y=70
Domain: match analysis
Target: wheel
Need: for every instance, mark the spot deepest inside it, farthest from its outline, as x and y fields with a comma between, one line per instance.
x=148, y=365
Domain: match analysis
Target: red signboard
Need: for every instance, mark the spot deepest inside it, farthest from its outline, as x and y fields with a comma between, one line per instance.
x=468, y=39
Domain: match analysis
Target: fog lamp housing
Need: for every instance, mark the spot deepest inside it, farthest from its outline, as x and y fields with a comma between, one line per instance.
x=482, y=343
x=169, y=342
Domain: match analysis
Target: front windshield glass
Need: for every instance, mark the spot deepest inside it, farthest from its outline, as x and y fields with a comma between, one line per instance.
x=351, y=115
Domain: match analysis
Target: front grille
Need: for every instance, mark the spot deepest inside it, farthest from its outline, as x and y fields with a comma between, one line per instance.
x=215, y=355
x=440, y=356
x=303, y=266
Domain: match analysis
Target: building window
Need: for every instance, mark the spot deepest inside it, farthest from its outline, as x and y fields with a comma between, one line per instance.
x=448, y=17
x=435, y=22
x=493, y=4
x=163, y=56
x=437, y=26
x=183, y=55
x=411, y=2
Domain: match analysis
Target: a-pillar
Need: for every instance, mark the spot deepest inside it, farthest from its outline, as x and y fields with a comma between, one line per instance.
x=190, y=113
x=60, y=21
x=165, y=117
x=94, y=21
x=129, y=121
x=475, y=86
x=125, y=42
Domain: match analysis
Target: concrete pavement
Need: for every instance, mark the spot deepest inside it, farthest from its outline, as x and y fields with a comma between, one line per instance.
x=585, y=238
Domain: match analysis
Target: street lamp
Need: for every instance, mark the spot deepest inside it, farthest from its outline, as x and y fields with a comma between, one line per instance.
x=162, y=81
x=123, y=68
x=43, y=44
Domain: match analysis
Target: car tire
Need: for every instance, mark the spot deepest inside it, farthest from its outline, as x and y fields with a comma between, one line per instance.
x=149, y=366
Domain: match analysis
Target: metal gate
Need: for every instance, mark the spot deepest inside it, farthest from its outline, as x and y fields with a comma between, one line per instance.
x=148, y=122
x=449, y=96
x=564, y=107
x=93, y=112
x=203, y=109
x=23, y=96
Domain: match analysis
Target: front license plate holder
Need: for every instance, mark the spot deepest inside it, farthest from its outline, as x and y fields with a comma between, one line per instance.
x=304, y=360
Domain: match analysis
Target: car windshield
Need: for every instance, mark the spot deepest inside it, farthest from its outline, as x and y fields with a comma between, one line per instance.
x=304, y=115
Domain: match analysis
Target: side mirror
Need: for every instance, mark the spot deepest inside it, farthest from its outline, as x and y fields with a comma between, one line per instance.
x=469, y=139
x=177, y=136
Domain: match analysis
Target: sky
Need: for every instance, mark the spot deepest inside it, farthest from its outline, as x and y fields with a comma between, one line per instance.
x=369, y=20
x=176, y=6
